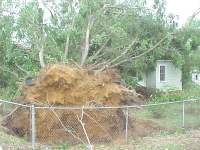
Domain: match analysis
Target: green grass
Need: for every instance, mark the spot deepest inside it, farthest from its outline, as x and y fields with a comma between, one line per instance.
x=192, y=115
x=171, y=146
x=13, y=142
x=138, y=146
x=170, y=116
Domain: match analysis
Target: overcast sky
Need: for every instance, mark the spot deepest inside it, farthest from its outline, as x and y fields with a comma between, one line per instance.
x=182, y=8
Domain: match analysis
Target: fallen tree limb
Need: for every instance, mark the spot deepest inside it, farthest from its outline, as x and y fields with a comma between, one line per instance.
x=66, y=129
x=124, y=53
x=140, y=55
x=14, y=110
x=99, y=51
x=20, y=68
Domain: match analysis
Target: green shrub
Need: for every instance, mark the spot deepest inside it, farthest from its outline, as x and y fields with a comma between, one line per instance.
x=189, y=92
x=9, y=93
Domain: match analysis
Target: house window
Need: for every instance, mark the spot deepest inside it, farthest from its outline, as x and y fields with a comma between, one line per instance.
x=162, y=73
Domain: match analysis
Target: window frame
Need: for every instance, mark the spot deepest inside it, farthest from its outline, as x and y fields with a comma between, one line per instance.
x=196, y=77
x=162, y=73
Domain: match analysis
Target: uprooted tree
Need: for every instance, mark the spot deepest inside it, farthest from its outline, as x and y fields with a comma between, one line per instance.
x=64, y=86
x=101, y=33
x=98, y=33
x=93, y=35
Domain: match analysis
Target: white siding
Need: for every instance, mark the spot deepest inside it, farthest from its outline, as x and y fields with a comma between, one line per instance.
x=196, y=77
x=172, y=76
x=151, y=79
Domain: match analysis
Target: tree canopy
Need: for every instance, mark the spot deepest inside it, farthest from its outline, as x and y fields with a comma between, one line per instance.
x=98, y=34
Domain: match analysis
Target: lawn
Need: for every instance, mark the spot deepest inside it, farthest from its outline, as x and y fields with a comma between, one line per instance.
x=170, y=116
x=176, y=141
x=171, y=137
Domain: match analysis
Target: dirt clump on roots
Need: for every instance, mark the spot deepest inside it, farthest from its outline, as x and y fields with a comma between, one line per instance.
x=61, y=85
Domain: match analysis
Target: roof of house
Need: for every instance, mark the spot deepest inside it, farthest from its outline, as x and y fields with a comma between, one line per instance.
x=195, y=71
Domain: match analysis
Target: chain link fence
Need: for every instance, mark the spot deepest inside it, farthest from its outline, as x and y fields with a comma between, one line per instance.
x=38, y=127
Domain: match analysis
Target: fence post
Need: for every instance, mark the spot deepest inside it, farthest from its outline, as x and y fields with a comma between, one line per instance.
x=33, y=129
x=126, y=131
x=183, y=115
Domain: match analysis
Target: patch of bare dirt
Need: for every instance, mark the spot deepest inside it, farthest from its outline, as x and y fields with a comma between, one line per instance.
x=185, y=141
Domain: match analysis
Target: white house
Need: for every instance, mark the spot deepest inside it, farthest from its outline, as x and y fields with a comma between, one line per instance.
x=196, y=76
x=165, y=76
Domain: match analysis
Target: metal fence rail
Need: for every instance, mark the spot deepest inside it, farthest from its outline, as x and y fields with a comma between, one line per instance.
x=77, y=124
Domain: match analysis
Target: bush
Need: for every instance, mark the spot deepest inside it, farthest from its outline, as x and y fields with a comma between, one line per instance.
x=189, y=92
x=168, y=96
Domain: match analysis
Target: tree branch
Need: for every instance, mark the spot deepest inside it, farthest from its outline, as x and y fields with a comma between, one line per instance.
x=66, y=129
x=83, y=126
x=41, y=56
x=68, y=37
x=20, y=68
x=194, y=15
x=116, y=7
x=140, y=55
x=99, y=51
x=124, y=53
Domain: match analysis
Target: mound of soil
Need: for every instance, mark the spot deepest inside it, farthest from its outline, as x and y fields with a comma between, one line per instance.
x=67, y=86
x=60, y=84
x=59, y=126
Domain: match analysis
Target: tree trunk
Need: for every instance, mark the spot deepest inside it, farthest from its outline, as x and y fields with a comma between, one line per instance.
x=41, y=56
x=1, y=1
x=66, y=48
x=71, y=27
x=85, y=51
x=68, y=39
